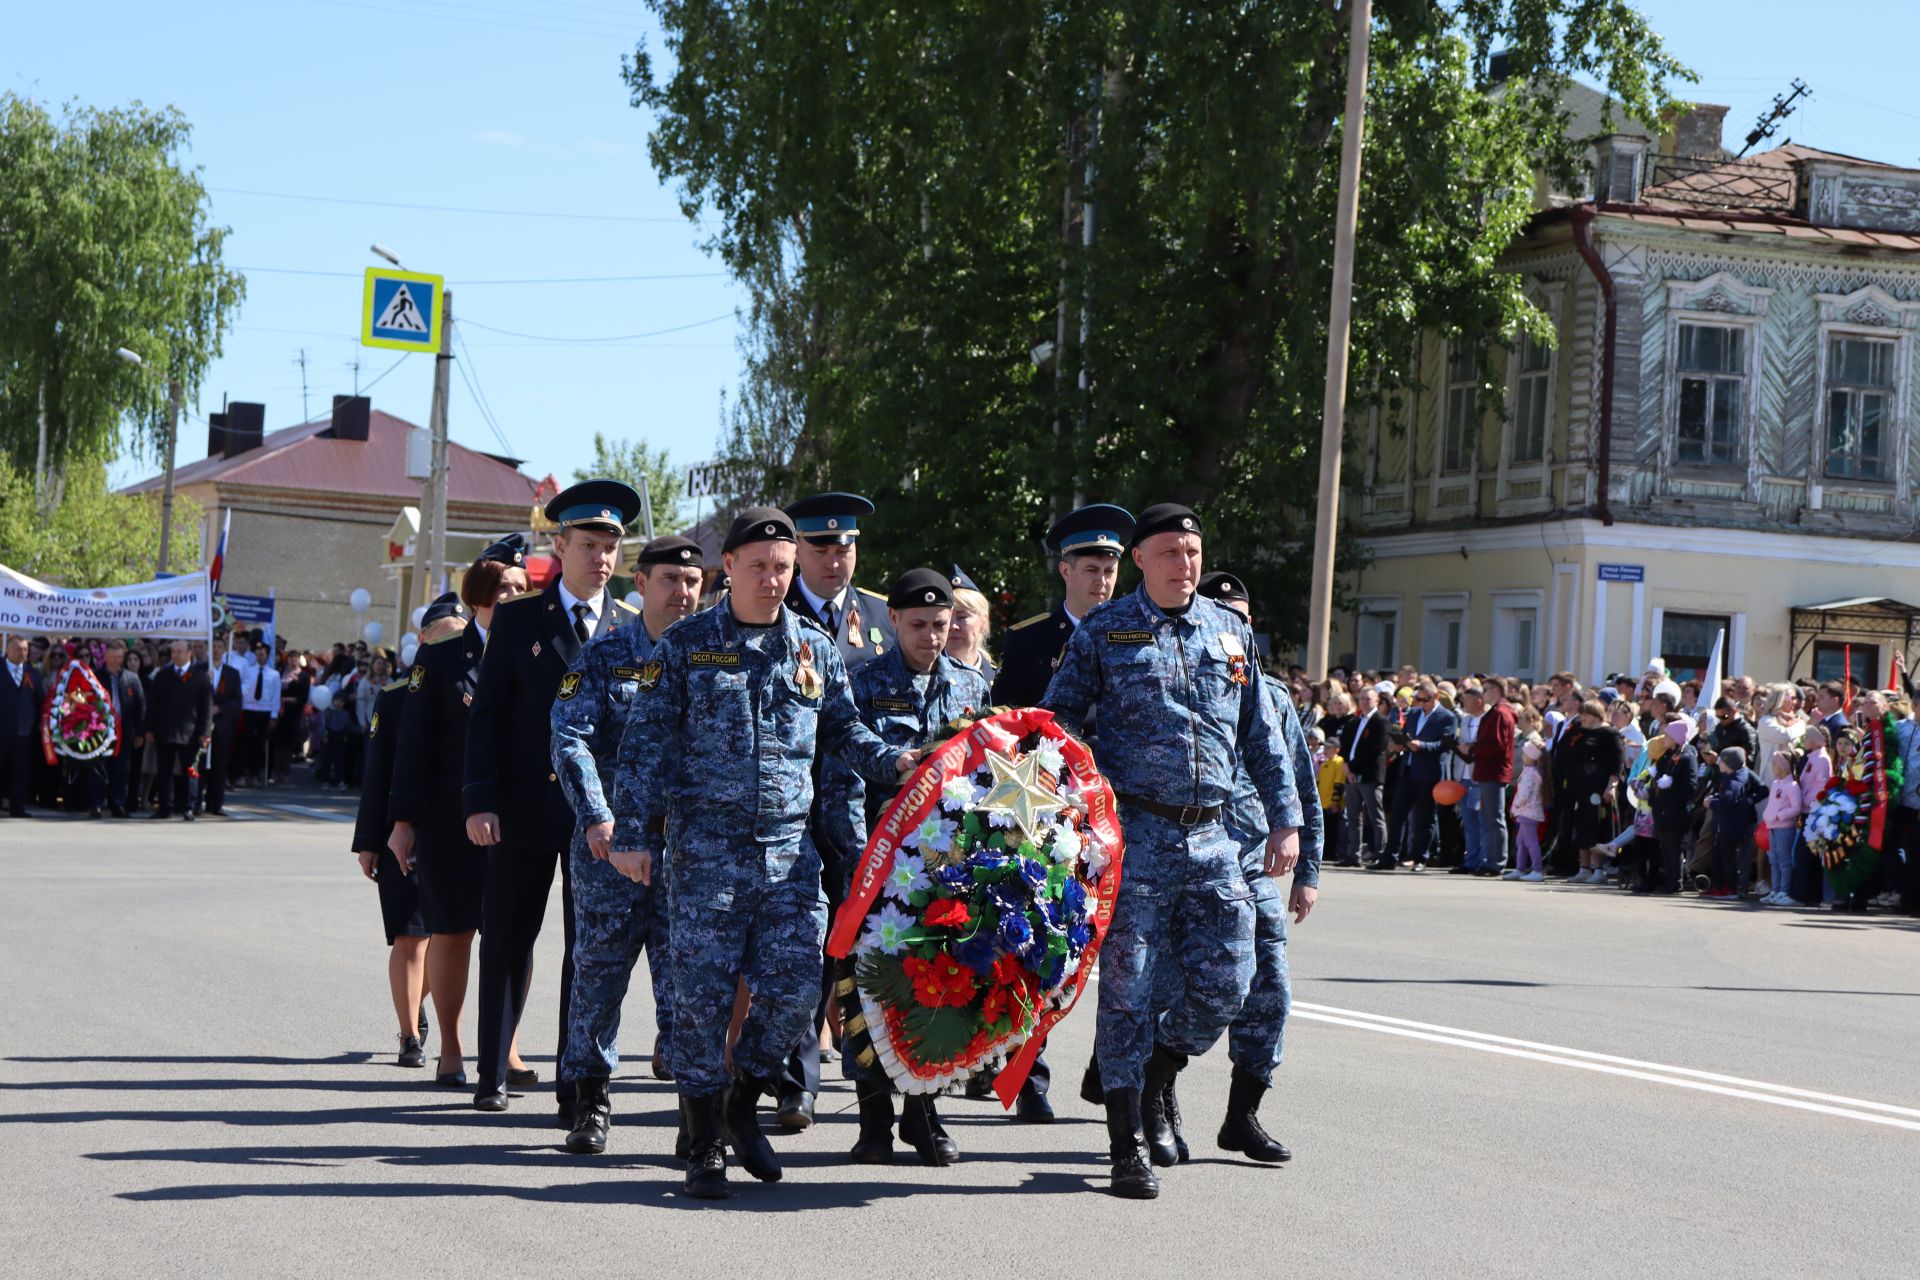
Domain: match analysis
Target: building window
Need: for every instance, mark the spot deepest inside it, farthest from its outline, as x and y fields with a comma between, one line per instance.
x=1837, y=659
x=1463, y=398
x=1686, y=643
x=1712, y=366
x=1859, y=408
x=1377, y=636
x=1530, y=401
x=1516, y=632
x=1443, y=633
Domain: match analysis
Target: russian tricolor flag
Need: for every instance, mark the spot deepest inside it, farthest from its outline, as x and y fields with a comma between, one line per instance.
x=220, y=552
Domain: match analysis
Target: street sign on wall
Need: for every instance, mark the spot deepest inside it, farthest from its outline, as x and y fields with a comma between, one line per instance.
x=1623, y=573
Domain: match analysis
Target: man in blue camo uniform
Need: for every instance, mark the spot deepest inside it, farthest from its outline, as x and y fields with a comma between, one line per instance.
x=907, y=696
x=720, y=745
x=615, y=918
x=1254, y=1039
x=1171, y=675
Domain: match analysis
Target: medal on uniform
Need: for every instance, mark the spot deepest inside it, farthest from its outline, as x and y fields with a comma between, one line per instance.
x=853, y=627
x=1236, y=657
x=805, y=675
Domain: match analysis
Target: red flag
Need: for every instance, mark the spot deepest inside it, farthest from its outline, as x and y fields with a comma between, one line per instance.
x=1846, y=678
x=1897, y=672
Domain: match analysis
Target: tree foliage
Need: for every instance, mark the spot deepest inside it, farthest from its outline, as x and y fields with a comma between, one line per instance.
x=93, y=537
x=104, y=243
x=920, y=197
x=645, y=468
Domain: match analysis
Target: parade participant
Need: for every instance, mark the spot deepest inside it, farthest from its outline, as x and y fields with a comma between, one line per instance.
x=228, y=699
x=614, y=918
x=1088, y=543
x=129, y=699
x=967, y=637
x=907, y=697
x=20, y=695
x=406, y=930
x=259, y=707
x=731, y=709
x=180, y=712
x=1171, y=679
x=514, y=805
x=828, y=526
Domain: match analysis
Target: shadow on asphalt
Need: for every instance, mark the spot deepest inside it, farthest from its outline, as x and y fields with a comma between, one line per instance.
x=352, y=1059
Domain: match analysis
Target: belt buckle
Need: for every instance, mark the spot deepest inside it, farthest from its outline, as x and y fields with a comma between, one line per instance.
x=1190, y=814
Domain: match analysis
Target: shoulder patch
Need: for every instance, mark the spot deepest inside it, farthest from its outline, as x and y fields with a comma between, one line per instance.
x=569, y=685
x=518, y=596
x=416, y=678
x=1027, y=622
x=624, y=607
x=649, y=675
x=451, y=635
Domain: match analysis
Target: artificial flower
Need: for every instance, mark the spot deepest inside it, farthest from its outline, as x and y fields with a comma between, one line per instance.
x=887, y=931
x=960, y=793
x=1050, y=758
x=940, y=981
x=948, y=913
x=935, y=835
x=908, y=877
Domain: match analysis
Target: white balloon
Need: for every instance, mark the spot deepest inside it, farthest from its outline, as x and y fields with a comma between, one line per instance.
x=360, y=599
x=408, y=648
x=634, y=598
x=321, y=698
x=419, y=615
x=373, y=632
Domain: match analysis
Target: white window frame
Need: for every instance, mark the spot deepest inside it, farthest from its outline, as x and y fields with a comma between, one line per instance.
x=1517, y=602
x=1723, y=301
x=1431, y=606
x=1548, y=299
x=1378, y=607
x=1868, y=312
x=1471, y=387
x=1890, y=433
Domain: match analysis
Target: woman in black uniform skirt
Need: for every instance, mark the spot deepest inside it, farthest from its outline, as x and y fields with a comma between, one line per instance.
x=399, y=896
x=425, y=797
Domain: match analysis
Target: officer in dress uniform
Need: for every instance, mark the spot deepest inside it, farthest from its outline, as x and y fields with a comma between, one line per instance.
x=1254, y=1038
x=721, y=743
x=399, y=895
x=908, y=697
x=614, y=918
x=1088, y=542
x=514, y=806
x=1171, y=675
x=828, y=528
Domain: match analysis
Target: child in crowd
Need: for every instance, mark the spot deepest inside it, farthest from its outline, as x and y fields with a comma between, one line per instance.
x=1529, y=811
x=1816, y=770
x=1330, y=779
x=1735, y=814
x=1784, y=807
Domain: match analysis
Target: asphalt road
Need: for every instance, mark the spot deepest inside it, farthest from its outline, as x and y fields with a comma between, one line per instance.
x=196, y=1079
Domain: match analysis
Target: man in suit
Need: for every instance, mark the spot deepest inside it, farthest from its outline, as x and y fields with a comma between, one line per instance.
x=1363, y=742
x=229, y=699
x=180, y=714
x=514, y=806
x=129, y=699
x=1088, y=543
x=20, y=696
x=1426, y=739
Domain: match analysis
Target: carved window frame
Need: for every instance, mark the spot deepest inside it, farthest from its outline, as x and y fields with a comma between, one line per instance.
x=1721, y=300
x=1873, y=313
x=1547, y=297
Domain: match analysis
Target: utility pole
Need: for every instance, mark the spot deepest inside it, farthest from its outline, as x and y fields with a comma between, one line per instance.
x=300, y=358
x=166, y=491
x=1339, y=325
x=437, y=420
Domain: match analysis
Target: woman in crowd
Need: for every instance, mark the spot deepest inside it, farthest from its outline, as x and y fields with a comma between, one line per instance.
x=289, y=730
x=1780, y=723
x=967, y=638
x=1595, y=760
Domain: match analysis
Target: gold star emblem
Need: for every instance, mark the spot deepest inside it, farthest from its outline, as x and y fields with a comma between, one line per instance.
x=1017, y=791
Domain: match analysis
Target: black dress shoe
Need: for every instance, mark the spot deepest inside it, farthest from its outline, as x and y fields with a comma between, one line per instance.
x=451, y=1079
x=980, y=1087
x=1460, y=871
x=411, y=1054
x=796, y=1111
x=522, y=1077
x=1031, y=1105
x=423, y=1022
x=491, y=1100
x=920, y=1129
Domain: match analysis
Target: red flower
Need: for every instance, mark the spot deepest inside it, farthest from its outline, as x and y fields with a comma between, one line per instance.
x=948, y=913
x=939, y=981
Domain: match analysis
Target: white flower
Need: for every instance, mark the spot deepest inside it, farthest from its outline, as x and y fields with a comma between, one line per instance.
x=935, y=835
x=999, y=818
x=960, y=793
x=1050, y=758
x=887, y=931
x=1097, y=857
x=909, y=876
x=1066, y=844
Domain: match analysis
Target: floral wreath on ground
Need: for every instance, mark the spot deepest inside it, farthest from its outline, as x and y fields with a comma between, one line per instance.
x=78, y=721
x=1847, y=827
x=979, y=906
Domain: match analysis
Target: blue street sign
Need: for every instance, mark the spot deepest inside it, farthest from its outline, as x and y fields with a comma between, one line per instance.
x=1623, y=573
x=401, y=310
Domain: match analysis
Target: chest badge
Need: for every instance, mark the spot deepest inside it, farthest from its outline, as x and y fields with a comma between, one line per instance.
x=536, y=648
x=416, y=678
x=805, y=674
x=569, y=685
x=1236, y=657
x=649, y=676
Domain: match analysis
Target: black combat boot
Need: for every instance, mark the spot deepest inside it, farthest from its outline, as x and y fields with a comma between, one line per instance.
x=592, y=1116
x=1031, y=1104
x=1162, y=1067
x=1171, y=1101
x=742, y=1118
x=920, y=1129
x=1242, y=1131
x=1133, y=1177
x=875, y=1144
x=1090, y=1089
x=682, y=1144
x=706, y=1148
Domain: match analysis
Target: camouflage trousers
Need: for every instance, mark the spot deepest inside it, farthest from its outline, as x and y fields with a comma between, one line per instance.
x=615, y=919
x=1185, y=905
x=733, y=920
x=1255, y=1038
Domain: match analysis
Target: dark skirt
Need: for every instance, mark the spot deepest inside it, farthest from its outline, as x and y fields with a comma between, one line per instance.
x=452, y=873
x=399, y=901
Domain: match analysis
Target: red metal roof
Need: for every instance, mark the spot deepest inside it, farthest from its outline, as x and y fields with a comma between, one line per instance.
x=302, y=458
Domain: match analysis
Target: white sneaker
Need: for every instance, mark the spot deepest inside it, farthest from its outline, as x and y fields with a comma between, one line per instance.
x=1580, y=877
x=1510, y=875
x=1533, y=877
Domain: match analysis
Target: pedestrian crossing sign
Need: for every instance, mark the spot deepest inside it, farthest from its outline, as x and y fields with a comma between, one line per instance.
x=401, y=310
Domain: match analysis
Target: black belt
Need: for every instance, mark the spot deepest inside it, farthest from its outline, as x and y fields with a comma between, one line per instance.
x=1187, y=815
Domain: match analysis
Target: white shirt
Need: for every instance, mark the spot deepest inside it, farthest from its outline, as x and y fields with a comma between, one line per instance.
x=568, y=600
x=821, y=604
x=252, y=674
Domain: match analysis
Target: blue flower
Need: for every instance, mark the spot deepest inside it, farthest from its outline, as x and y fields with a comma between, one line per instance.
x=1015, y=933
x=1033, y=873
x=954, y=875
x=977, y=953
x=1075, y=896
x=1079, y=934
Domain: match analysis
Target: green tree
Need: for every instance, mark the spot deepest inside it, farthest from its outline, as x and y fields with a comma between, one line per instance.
x=93, y=537
x=104, y=243
x=644, y=467
x=1011, y=254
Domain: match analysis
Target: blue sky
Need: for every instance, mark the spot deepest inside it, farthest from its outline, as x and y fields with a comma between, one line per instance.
x=517, y=105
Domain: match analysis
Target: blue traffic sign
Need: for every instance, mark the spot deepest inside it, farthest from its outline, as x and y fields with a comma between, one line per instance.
x=401, y=310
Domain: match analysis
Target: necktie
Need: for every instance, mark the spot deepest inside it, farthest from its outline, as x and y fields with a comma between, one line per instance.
x=827, y=615
x=259, y=682
x=580, y=622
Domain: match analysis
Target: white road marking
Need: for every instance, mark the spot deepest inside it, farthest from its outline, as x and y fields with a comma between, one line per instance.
x=1654, y=1072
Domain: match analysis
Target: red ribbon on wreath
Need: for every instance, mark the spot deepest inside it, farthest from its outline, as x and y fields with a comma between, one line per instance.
x=919, y=798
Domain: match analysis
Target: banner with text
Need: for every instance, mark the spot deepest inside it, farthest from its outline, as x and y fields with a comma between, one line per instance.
x=255, y=613
x=168, y=609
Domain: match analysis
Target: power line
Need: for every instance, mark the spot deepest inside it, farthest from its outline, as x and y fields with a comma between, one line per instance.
x=441, y=208
x=469, y=366
x=605, y=31
x=622, y=337
x=479, y=404
x=467, y=284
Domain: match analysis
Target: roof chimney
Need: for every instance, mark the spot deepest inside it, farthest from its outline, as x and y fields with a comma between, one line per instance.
x=1499, y=66
x=239, y=429
x=350, y=418
x=1697, y=132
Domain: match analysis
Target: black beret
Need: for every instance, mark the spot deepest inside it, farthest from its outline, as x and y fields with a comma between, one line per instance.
x=510, y=551
x=758, y=524
x=1165, y=517
x=671, y=549
x=1221, y=585
x=446, y=606
x=920, y=589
